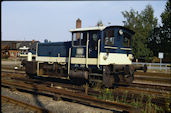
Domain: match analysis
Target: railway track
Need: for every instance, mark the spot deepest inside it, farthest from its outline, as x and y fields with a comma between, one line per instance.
x=77, y=97
x=24, y=105
x=68, y=85
x=136, y=89
x=136, y=73
x=13, y=71
x=150, y=74
x=145, y=91
x=142, y=81
x=151, y=86
x=62, y=85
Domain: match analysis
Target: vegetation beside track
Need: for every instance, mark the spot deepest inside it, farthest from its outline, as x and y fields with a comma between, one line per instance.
x=146, y=103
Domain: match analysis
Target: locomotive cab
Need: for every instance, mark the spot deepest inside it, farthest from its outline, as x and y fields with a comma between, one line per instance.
x=102, y=54
x=102, y=45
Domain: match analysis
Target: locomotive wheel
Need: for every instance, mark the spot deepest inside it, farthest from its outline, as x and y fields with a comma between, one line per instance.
x=126, y=79
x=77, y=81
x=108, y=79
x=129, y=75
x=28, y=75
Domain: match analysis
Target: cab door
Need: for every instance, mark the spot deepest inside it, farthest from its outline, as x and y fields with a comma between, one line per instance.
x=93, y=44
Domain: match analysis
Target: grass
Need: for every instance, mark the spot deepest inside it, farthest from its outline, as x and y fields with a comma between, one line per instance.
x=137, y=102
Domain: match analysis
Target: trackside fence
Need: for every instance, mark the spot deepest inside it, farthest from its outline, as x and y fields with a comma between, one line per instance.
x=156, y=66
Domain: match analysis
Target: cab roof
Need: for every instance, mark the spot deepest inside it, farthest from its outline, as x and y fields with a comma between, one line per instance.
x=88, y=29
x=99, y=28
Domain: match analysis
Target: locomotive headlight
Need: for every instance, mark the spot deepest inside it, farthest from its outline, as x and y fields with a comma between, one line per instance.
x=120, y=32
x=105, y=56
x=130, y=56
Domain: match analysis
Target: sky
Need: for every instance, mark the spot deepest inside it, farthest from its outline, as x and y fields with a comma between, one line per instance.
x=52, y=20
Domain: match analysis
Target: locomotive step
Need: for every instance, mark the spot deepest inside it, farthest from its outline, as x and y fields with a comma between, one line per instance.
x=95, y=74
x=93, y=80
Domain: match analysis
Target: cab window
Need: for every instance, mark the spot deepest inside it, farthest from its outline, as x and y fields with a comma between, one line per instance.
x=94, y=40
x=126, y=40
x=79, y=38
x=109, y=37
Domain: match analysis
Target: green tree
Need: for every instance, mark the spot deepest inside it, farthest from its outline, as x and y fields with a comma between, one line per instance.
x=165, y=33
x=160, y=40
x=166, y=16
x=142, y=24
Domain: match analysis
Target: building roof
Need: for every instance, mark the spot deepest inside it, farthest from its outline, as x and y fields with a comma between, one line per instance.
x=17, y=44
x=24, y=48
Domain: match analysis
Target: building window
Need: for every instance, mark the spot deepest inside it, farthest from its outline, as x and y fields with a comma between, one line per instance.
x=18, y=54
x=12, y=54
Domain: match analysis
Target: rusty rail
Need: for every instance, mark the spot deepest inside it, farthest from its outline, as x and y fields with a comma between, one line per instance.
x=72, y=87
x=77, y=97
x=151, y=86
x=25, y=105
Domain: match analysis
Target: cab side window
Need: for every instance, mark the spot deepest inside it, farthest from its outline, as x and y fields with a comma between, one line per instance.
x=79, y=38
x=94, y=40
x=76, y=39
x=84, y=39
x=109, y=37
x=126, y=40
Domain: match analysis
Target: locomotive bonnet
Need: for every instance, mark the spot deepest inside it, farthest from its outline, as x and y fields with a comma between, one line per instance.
x=94, y=54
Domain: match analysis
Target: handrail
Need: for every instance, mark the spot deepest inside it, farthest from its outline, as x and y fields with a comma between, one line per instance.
x=37, y=68
x=98, y=57
x=36, y=50
x=87, y=54
x=69, y=60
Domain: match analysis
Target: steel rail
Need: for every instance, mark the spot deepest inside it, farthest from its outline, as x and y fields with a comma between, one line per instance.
x=146, y=88
x=133, y=89
x=153, y=74
x=133, y=85
x=57, y=85
x=136, y=74
x=138, y=91
x=158, y=87
x=78, y=97
x=12, y=71
x=25, y=105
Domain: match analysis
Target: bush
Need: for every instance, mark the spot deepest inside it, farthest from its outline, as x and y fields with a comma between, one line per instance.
x=155, y=60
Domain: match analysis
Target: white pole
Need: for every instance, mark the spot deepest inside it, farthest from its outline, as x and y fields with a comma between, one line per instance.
x=29, y=57
x=160, y=63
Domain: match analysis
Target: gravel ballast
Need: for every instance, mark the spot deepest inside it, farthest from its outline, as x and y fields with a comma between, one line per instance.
x=47, y=103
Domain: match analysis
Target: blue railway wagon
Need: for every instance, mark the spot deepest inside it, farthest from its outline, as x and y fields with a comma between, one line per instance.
x=56, y=49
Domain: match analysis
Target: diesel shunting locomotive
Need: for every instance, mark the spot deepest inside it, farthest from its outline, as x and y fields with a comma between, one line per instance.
x=95, y=54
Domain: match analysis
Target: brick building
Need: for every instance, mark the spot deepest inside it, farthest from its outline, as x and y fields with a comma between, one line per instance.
x=4, y=51
x=14, y=47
